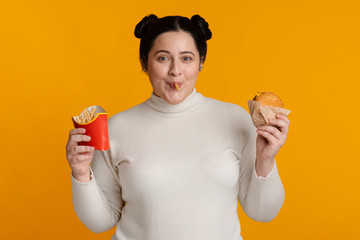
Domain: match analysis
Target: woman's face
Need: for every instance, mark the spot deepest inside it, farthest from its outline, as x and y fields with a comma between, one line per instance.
x=173, y=60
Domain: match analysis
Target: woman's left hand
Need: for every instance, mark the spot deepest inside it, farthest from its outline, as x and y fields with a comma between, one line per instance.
x=269, y=141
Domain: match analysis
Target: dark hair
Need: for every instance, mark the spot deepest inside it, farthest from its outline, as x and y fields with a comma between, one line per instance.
x=151, y=26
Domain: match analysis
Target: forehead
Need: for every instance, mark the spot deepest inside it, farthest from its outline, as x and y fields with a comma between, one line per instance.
x=174, y=41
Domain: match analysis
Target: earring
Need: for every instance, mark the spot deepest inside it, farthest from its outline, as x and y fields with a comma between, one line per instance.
x=200, y=69
x=144, y=69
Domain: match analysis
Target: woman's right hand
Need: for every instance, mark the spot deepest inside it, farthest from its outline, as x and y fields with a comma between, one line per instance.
x=79, y=157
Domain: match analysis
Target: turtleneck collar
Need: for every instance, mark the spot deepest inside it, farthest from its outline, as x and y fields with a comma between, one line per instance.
x=187, y=104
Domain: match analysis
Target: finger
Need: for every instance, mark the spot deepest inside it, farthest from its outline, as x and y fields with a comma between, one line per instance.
x=80, y=138
x=272, y=130
x=281, y=124
x=70, y=145
x=283, y=117
x=84, y=156
x=269, y=137
x=77, y=131
x=83, y=149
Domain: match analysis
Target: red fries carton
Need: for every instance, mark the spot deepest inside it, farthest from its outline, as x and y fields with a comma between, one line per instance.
x=94, y=120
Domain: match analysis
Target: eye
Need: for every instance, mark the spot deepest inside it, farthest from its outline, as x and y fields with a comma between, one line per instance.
x=187, y=59
x=162, y=58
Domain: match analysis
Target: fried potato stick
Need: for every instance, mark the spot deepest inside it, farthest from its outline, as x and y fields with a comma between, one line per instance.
x=177, y=86
x=92, y=114
x=82, y=120
x=86, y=116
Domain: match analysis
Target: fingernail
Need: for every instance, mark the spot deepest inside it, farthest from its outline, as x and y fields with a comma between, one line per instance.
x=88, y=138
x=92, y=148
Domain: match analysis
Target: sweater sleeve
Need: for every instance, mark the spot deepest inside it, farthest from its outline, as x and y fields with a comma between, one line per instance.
x=260, y=197
x=98, y=202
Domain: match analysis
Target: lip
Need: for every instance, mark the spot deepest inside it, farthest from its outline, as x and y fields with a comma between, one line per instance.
x=172, y=84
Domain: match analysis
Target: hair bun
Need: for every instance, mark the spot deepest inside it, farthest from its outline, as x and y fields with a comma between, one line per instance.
x=142, y=27
x=202, y=25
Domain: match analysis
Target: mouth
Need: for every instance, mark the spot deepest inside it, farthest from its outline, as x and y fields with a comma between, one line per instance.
x=175, y=85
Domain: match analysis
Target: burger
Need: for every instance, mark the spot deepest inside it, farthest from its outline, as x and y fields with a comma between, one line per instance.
x=268, y=99
x=264, y=106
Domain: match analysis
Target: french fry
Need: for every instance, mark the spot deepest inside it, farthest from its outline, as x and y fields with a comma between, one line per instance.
x=87, y=115
x=92, y=115
x=177, y=86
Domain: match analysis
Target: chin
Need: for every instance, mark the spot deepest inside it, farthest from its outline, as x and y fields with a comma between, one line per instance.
x=173, y=100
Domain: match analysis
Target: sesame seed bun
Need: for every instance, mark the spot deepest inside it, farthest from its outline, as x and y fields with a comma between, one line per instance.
x=269, y=99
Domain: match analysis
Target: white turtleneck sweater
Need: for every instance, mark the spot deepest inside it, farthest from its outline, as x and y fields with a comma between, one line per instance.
x=180, y=169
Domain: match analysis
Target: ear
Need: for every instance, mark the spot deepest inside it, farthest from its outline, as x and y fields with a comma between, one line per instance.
x=201, y=66
x=202, y=60
x=143, y=67
x=142, y=64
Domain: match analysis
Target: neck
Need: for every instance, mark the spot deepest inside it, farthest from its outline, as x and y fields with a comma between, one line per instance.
x=160, y=105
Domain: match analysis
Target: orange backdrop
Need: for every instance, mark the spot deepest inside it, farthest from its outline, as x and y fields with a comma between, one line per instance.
x=58, y=57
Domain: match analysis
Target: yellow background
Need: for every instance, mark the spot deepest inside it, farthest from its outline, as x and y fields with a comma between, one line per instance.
x=58, y=57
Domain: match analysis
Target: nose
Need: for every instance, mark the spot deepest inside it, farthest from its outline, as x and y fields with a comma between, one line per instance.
x=174, y=69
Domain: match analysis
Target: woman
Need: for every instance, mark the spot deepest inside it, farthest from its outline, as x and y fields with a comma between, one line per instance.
x=180, y=161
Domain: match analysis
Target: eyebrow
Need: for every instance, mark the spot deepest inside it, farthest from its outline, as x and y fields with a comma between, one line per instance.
x=169, y=52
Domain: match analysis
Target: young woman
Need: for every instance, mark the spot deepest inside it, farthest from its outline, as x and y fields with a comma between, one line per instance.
x=180, y=161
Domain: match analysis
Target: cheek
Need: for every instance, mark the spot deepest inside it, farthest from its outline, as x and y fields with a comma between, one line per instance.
x=158, y=70
x=192, y=71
